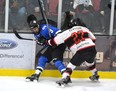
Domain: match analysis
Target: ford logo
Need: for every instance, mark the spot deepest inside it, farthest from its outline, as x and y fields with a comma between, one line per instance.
x=7, y=44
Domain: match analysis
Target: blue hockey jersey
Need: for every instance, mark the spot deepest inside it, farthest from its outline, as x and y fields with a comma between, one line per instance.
x=44, y=31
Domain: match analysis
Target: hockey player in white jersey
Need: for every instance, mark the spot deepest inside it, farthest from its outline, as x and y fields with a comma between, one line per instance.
x=81, y=42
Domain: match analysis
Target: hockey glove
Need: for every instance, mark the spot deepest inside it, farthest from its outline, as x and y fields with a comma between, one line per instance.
x=41, y=41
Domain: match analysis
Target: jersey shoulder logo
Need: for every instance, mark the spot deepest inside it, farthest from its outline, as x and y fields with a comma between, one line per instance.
x=51, y=30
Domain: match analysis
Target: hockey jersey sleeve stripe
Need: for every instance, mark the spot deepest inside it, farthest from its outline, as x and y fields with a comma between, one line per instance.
x=51, y=42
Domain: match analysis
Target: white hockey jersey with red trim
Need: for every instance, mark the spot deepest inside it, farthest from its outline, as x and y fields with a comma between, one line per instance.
x=76, y=38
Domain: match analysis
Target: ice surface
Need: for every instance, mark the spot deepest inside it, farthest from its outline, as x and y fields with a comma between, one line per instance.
x=49, y=84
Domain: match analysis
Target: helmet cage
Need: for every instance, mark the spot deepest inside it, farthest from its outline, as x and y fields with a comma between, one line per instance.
x=33, y=24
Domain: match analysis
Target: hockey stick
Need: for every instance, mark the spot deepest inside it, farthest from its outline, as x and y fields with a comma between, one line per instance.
x=18, y=36
x=42, y=9
x=43, y=48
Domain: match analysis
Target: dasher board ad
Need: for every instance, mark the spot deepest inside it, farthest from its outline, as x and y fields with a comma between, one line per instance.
x=16, y=53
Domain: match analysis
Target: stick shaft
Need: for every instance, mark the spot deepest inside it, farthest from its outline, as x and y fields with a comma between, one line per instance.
x=42, y=9
x=18, y=36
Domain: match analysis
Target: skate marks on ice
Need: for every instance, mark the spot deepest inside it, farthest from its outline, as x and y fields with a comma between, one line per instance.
x=49, y=84
x=100, y=85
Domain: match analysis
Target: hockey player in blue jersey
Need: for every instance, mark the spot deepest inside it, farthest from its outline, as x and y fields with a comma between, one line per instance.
x=43, y=32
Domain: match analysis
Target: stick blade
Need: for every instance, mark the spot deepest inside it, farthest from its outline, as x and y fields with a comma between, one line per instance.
x=18, y=36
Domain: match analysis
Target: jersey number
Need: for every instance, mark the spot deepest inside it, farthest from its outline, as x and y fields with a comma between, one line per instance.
x=78, y=36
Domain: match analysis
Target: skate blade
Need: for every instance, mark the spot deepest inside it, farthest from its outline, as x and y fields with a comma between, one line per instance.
x=94, y=80
x=61, y=85
x=35, y=81
x=64, y=85
x=28, y=80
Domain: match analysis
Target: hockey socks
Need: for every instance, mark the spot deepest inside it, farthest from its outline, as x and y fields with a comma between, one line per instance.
x=60, y=66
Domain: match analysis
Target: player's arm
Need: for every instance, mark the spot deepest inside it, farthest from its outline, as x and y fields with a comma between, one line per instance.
x=59, y=39
x=40, y=40
x=91, y=36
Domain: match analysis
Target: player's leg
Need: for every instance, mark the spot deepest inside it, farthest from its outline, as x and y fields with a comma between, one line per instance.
x=42, y=60
x=70, y=67
x=92, y=68
x=91, y=64
x=57, y=57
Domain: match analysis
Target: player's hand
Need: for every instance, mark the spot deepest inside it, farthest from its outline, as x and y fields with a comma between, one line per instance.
x=39, y=43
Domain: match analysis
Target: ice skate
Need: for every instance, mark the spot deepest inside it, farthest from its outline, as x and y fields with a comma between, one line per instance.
x=33, y=77
x=64, y=81
x=94, y=77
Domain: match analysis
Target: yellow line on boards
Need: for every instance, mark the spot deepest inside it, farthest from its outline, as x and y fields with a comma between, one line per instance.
x=56, y=73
